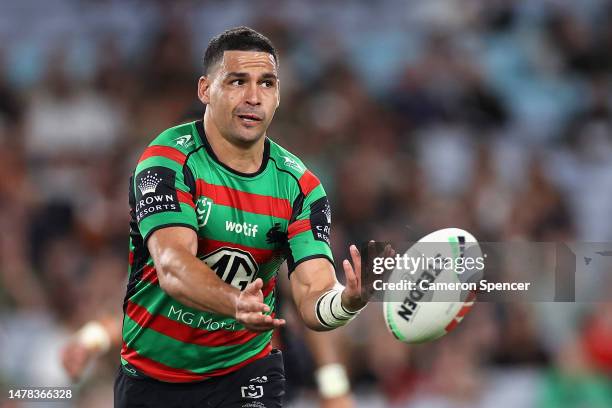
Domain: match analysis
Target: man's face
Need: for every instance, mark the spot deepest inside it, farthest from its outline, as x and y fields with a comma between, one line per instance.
x=241, y=94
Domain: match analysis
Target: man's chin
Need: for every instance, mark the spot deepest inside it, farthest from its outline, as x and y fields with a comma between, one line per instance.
x=247, y=136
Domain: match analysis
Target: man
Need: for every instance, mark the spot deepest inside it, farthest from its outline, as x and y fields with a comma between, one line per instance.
x=216, y=208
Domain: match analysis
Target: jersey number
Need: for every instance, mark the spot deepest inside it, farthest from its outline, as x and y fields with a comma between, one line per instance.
x=233, y=266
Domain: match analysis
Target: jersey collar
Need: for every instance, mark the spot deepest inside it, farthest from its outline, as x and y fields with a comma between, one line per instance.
x=202, y=135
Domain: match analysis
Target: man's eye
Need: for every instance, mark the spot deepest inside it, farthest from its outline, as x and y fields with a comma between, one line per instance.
x=268, y=84
x=237, y=82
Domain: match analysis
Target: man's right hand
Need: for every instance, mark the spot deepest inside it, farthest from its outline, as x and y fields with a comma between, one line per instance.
x=75, y=357
x=250, y=309
x=344, y=401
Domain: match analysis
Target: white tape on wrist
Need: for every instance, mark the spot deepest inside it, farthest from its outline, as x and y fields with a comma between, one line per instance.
x=329, y=309
x=332, y=381
x=95, y=337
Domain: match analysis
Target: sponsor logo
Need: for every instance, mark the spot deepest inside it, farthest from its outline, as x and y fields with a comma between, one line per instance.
x=260, y=380
x=130, y=370
x=322, y=233
x=252, y=391
x=184, y=141
x=327, y=212
x=320, y=220
x=156, y=192
x=203, y=208
x=205, y=322
x=290, y=162
x=410, y=303
x=250, y=230
x=233, y=266
x=148, y=183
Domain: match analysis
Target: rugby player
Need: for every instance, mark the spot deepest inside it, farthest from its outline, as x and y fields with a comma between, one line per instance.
x=216, y=208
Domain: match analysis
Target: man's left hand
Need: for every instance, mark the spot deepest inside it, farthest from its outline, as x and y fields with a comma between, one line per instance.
x=351, y=295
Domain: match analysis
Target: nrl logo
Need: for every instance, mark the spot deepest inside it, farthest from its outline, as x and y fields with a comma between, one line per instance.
x=148, y=184
x=203, y=207
x=289, y=162
x=184, y=141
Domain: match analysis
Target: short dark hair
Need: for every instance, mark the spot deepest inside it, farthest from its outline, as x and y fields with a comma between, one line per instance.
x=237, y=39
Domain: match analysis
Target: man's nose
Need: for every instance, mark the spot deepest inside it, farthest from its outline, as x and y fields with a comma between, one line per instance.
x=252, y=95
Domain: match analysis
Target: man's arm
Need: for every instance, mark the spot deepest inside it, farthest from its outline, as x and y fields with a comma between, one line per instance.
x=190, y=281
x=187, y=279
x=330, y=375
x=314, y=278
x=93, y=339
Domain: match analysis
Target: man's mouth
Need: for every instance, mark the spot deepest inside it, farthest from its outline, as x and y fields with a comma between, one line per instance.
x=250, y=117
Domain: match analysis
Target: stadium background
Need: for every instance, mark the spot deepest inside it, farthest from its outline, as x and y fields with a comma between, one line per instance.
x=494, y=116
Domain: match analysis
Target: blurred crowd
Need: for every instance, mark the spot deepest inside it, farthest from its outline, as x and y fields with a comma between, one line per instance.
x=489, y=115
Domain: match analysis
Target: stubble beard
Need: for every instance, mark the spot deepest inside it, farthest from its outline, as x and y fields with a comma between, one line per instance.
x=243, y=139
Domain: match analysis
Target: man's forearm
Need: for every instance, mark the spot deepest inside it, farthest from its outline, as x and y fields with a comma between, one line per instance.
x=307, y=309
x=326, y=309
x=193, y=283
x=323, y=303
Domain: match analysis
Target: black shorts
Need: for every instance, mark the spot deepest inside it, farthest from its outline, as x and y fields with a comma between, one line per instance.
x=260, y=384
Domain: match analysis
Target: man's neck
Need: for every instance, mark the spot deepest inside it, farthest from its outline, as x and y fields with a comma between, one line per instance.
x=244, y=159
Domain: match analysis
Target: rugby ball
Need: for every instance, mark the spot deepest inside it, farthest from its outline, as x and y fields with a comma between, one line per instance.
x=429, y=291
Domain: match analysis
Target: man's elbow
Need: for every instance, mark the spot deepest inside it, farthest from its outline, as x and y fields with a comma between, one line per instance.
x=316, y=326
x=168, y=282
x=312, y=322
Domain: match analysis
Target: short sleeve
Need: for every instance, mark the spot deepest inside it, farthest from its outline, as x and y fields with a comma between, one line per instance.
x=161, y=190
x=310, y=226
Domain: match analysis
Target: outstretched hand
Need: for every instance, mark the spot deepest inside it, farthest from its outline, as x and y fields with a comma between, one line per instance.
x=250, y=309
x=353, y=296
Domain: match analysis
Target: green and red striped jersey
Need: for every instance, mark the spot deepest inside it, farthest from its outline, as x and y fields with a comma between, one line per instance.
x=247, y=226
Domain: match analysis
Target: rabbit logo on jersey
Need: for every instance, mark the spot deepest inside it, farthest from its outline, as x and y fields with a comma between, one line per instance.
x=155, y=192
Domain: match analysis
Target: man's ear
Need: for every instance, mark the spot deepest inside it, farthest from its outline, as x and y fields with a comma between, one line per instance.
x=204, y=89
